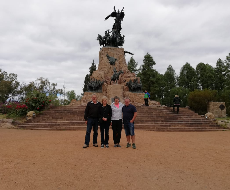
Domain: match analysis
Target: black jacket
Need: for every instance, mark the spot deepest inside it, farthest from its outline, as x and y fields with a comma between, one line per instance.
x=106, y=112
x=92, y=110
x=176, y=101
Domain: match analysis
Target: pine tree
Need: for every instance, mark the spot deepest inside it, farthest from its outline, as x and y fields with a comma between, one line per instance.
x=187, y=78
x=169, y=83
x=205, y=76
x=220, y=75
x=132, y=65
x=87, y=77
x=147, y=73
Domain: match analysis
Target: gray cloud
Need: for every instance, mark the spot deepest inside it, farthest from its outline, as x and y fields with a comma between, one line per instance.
x=57, y=39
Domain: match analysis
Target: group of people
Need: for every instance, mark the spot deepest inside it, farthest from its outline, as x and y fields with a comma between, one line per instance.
x=102, y=114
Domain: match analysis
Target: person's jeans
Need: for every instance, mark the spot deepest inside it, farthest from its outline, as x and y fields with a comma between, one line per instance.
x=104, y=127
x=146, y=101
x=177, y=108
x=91, y=122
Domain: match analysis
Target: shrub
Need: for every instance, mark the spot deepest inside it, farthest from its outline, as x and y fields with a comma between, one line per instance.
x=16, y=109
x=37, y=101
x=198, y=100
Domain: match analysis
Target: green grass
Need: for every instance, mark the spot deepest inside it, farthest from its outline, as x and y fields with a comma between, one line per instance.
x=3, y=116
x=223, y=118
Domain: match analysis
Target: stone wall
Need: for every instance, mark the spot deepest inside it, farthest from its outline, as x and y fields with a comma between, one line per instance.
x=214, y=108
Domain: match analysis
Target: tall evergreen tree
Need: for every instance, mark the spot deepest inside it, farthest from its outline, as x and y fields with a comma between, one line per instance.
x=169, y=83
x=205, y=76
x=87, y=77
x=220, y=75
x=187, y=78
x=147, y=73
x=132, y=65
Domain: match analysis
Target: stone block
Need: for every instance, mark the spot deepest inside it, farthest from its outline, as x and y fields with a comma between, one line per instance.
x=215, y=108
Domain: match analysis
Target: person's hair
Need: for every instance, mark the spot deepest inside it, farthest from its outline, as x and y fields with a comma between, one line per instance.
x=127, y=98
x=116, y=97
x=94, y=95
x=103, y=98
x=176, y=96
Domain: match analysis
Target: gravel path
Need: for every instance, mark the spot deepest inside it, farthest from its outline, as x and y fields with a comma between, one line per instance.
x=55, y=160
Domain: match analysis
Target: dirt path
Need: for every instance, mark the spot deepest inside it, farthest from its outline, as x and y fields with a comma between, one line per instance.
x=55, y=160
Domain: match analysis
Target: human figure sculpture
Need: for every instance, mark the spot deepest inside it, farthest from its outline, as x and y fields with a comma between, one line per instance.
x=113, y=38
x=95, y=85
x=118, y=18
x=112, y=60
x=116, y=75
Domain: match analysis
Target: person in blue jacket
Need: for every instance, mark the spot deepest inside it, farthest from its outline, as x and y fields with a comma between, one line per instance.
x=146, y=98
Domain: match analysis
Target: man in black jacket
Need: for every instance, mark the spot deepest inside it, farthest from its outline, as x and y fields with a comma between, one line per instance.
x=92, y=115
x=176, y=103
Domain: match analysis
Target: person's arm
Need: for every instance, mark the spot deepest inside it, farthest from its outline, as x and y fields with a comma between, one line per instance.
x=134, y=117
x=86, y=113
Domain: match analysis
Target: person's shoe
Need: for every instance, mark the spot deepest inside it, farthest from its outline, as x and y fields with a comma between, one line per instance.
x=95, y=145
x=128, y=145
x=102, y=145
x=115, y=145
x=85, y=146
x=133, y=146
x=107, y=145
x=118, y=145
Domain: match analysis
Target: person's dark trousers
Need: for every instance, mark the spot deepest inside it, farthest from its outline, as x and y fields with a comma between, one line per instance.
x=146, y=101
x=91, y=122
x=117, y=127
x=104, y=127
x=177, y=110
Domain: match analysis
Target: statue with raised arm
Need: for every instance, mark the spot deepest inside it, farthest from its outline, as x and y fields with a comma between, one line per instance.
x=118, y=18
x=113, y=38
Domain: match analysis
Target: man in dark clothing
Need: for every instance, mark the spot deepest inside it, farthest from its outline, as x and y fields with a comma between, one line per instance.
x=176, y=103
x=129, y=115
x=92, y=115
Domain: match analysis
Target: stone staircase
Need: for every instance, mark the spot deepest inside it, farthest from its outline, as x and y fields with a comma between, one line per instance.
x=149, y=118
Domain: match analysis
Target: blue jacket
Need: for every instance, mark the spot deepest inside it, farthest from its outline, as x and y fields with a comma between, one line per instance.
x=148, y=94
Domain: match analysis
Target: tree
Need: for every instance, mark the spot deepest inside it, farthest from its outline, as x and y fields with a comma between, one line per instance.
x=41, y=85
x=227, y=63
x=147, y=73
x=71, y=95
x=87, y=77
x=132, y=65
x=205, y=76
x=182, y=93
x=8, y=85
x=169, y=83
x=187, y=78
x=221, y=72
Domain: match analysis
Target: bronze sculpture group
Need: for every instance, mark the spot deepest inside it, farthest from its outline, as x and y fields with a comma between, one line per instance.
x=114, y=39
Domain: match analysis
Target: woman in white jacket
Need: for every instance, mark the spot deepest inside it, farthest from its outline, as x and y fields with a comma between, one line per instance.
x=116, y=119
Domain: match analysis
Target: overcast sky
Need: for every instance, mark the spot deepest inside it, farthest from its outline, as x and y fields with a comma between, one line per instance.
x=56, y=39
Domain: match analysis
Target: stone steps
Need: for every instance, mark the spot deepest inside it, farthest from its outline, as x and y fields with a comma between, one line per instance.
x=149, y=118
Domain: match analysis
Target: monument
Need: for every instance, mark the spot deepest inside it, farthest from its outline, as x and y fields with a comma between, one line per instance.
x=112, y=78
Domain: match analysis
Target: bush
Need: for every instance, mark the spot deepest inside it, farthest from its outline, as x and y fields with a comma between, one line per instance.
x=37, y=101
x=16, y=109
x=198, y=100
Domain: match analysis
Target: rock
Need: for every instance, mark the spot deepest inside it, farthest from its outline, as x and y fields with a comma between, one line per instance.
x=30, y=115
x=7, y=125
x=209, y=115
